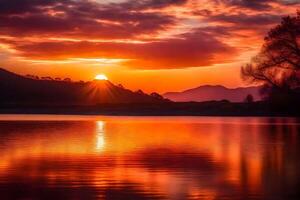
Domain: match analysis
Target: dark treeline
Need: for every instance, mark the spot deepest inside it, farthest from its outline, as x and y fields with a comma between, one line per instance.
x=210, y=108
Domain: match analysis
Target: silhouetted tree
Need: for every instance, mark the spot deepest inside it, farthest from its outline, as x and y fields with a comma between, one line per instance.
x=277, y=66
x=140, y=92
x=58, y=79
x=120, y=86
x=30, y=76
x=249, y=98
x=67, y=79
x=156, y=95
x=48, y=78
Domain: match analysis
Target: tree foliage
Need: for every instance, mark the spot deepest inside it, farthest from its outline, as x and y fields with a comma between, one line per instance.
x=277, y=66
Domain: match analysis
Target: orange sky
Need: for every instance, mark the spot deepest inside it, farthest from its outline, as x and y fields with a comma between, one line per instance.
x=154, y=45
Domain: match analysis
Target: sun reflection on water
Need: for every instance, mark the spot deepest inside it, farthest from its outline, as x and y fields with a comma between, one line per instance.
x=100, y=144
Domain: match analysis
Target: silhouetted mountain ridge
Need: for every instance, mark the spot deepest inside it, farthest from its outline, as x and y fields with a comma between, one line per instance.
x=213, y=92
x=17, y=89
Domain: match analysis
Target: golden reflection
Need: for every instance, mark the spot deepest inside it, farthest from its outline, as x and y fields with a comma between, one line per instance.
x=191, y=158
x=100, y=136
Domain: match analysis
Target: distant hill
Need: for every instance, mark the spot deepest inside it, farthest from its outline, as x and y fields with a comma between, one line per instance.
x=210, y=93
x=20, y=90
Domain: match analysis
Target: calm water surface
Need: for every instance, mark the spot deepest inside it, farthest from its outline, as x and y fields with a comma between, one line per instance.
x=136, y=158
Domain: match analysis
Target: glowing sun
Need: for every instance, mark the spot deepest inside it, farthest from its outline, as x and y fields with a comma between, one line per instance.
x=101, y=77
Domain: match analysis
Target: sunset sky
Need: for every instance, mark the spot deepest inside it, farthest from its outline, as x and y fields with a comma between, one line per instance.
x=155, y=45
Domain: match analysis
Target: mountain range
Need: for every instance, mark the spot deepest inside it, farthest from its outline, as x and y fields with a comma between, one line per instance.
x=213, y=92
x=31, y=90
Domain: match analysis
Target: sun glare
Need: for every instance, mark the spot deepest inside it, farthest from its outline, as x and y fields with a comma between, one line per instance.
x=101, y=77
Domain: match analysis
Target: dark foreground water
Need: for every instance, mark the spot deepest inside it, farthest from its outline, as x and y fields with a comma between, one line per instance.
x=136, y=158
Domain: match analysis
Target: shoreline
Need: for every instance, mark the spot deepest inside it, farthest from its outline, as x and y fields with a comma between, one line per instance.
x=212, y=108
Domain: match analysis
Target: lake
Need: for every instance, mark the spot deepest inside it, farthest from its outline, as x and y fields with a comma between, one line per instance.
x=136, y=158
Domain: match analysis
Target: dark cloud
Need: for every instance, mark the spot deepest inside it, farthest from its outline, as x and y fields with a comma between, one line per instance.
x=246, y=20
x=146, y=4
x=8, y=7
x=289, y=2
x=228, y=23
x=57, y=26
x=249, y=4
x=194, y=49
x=258, y=5
x=25, y=6
x=83, y=19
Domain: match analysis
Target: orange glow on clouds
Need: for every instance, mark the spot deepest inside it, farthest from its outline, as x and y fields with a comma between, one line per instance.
x=153, y=45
